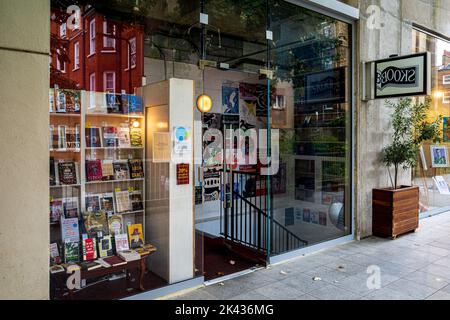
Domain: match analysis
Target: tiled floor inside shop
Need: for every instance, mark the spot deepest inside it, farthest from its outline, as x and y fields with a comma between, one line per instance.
x=415, y=266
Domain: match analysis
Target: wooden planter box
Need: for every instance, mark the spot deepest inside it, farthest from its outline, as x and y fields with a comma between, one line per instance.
x=395, y=212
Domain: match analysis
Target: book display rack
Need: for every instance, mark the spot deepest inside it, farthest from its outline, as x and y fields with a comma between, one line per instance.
x=97, y=179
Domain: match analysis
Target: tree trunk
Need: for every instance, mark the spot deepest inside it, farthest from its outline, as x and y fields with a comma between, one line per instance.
x=396, y=177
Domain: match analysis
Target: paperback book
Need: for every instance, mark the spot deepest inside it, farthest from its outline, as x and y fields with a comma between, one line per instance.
x=96, y=224
x=56, y=210
x=105, y=247
x=71, y=252
x=107, y=170
x=136, y=137
x=60, y=101
x=123, y=203
x=70, y=230
x=121, y=242
x=67, y=172
x=73, y=137
x=135, y=236
x=124, y=137
x=62, y=139
x=110, y=137
x=115, y=223
x=121, y=170
x=92, y=202
x=55, y=256
x=71, y=208
x=89, y=249
x=94, y=170
x=93, y=137
x=52, y=172
x=107, y=203
x=136, y=200
x=114, y=103
x=135, y=104
x=136, y=168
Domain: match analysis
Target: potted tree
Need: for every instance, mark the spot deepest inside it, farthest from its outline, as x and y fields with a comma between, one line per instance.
x=396, y=209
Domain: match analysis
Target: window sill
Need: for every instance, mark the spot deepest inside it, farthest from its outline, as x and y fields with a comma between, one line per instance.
x=109, y=51
x=91, y=54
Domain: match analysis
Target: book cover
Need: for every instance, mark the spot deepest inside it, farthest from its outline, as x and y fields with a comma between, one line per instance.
x=53, y=144
x=123, y=134
x=90, y=265
x=110, y=137
x=136, y=200
x=71, y=252
x=62, y=142
x=52, y=180
x=135, y=236
x=135, y=104
x=67, y=173
x=73, y=101
x=115, y=261
x=71, y=208
x=121, y=170
x=105, y=247
x=92, y=202
x=107, y=170
x=114, y=103
x=125, y=101
x=70, y=230
x=96, y=224
x=89, y=249
x=107, y=203
x=55, y=256
x=129, y=255
x=121, y=242
x=94, y=170
x=136, y=168
x=60, y=101
x=136, y=137
x=56, y=210
x=123, y=202
x=115, y=223
x=73, y=138
x=93, y=138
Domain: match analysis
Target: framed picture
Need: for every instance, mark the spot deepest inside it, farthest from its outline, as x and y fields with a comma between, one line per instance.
x=439, y=156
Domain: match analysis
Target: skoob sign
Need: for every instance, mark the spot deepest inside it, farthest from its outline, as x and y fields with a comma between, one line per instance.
x=403, y=76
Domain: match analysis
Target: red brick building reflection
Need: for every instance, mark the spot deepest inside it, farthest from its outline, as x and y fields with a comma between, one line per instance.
x=102, y=55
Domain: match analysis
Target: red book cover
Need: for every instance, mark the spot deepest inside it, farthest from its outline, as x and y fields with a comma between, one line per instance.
x=89, y=250
x=94, y=170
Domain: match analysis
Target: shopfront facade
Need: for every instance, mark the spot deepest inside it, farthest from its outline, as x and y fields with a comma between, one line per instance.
x=133, y=157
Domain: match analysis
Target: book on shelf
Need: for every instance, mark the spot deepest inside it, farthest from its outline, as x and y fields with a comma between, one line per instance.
x=92, y=202
x=73, y=101
x=53, y=143
x=121, y=170
x=136, y=168
x=71, y=208
x=110, y=137
x=129, y=255
x=123, y=134
x=51, y=100
x=61, y=101
x=67, y=173
x=114, y=103
x=135, y=236
x=89, y=249
x=71, y=252
x=136, y=200
x=105, y=247
x=128, y=220
x=115, y=223
x=136, y=137
x=115, y=261
x=70, y=230
x=94, y=170
x=90, y=265
x=107, y=170
x=93, y=137
x=135, y=105
x=62, y=142
x=56, y=210
x=121, y=241
x=55, y=256
x=103, y=263
x=107, y=203
x=123, y=202
x=52, y=180
x=96, y=224
x=73, y=137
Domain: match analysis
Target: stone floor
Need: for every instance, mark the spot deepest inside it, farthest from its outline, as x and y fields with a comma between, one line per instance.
x=415, y=266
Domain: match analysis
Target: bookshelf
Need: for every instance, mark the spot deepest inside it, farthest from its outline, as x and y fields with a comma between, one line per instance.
x=94, y=161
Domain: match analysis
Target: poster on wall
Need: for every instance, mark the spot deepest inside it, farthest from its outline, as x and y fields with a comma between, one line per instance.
x=247, y=114
x=211, y=121
x=439, y=156
x=230, y=99
x=182, y=141
x=211, y=185
x=257, y=93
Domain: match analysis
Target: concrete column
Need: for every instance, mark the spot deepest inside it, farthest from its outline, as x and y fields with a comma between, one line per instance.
x=24, y=169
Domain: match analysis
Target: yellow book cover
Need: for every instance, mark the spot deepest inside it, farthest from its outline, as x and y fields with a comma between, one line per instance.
x=135, y=236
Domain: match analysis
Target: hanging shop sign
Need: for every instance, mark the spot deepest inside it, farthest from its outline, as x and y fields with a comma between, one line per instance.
x=398, y=77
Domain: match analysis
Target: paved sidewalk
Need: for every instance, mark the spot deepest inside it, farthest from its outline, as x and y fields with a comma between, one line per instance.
x=415, y=266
